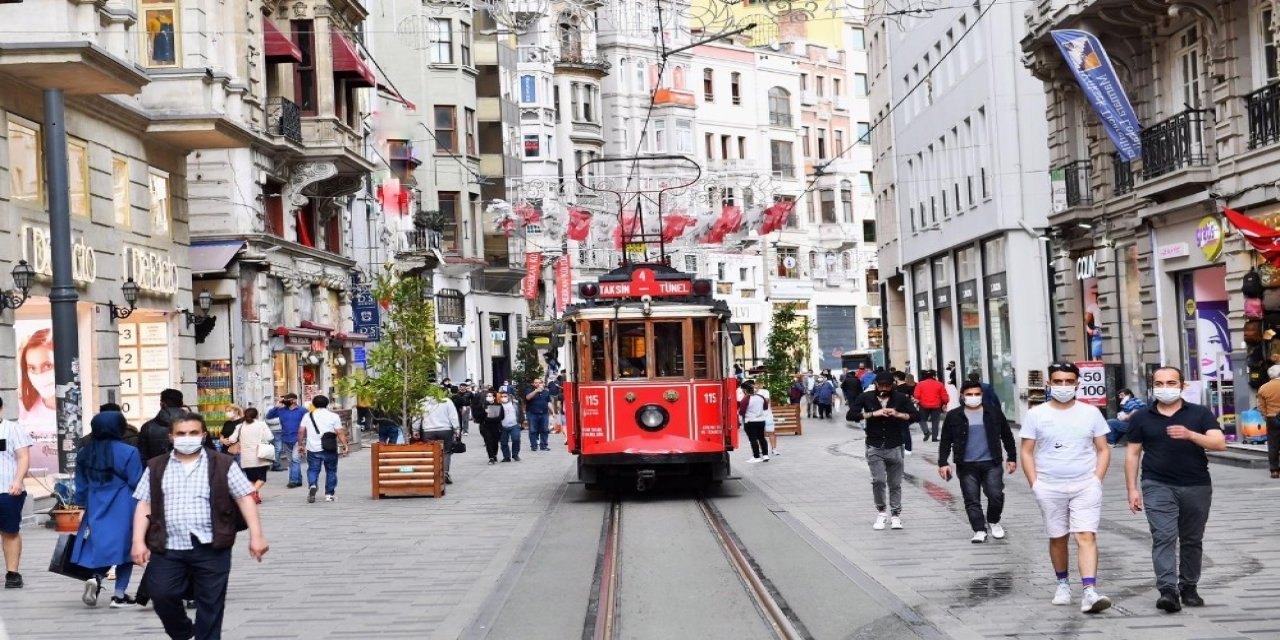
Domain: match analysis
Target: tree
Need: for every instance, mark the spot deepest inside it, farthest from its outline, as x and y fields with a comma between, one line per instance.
x=402, y=365
x=788, y=339
x=528, y=365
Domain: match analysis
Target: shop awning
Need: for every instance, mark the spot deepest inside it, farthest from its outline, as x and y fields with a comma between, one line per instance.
x=353, y=337
x=280, y=48
x=307, y=324
x=213, y=257
x=347, y=63
x=298, y=333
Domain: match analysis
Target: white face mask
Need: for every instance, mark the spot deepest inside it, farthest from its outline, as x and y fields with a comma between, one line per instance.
x=1063, y=394
x=188, y=444
x=43, y=383
x=973, y=402
x=1167, y=395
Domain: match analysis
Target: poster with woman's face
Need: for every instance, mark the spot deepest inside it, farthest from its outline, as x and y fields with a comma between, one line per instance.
x=1213, y=334
x=1092, y=319
x=37, y=404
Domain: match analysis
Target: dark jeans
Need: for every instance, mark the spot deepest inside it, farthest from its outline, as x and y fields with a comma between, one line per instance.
x=906, y=436
x=1177, y=516
x=491, y=435
x=330, y=461
x=929, y=419
x=1118, y=429
x=824, y=410
x=445, y=436
x=755, y=434
x=1273, y=443
x=977, y=478
x=510, y=442
x=388, y=433
x=539, y=431
x=201, y=572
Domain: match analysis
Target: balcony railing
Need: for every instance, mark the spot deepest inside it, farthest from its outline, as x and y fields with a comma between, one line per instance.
x=784, y=171
x=284, y=119
x=1121, y=175
x=423, y=240
x=1174, y=144
x=779, y=119
x=572, y=58
x=1079, y=189
x=1264, y=116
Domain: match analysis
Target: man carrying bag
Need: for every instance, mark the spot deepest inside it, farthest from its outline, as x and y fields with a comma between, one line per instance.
x=322, y=436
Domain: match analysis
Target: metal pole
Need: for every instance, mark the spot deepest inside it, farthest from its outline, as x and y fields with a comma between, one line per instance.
x=62, y=296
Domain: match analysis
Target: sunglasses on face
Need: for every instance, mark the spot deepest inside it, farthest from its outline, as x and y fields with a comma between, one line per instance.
x=1066, y=367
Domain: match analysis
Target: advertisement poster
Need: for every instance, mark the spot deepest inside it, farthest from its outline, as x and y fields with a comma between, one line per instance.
x=37, y=404
x=564, y=284
x=1093, y=383
x=1092, y=319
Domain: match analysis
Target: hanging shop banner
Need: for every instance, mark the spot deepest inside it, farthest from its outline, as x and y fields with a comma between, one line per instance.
x=532, y=268
x=365, y=317
x=1093, y=70
x=1093, y=383
x=564, y=284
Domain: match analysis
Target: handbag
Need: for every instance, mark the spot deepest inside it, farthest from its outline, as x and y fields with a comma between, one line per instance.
x=61, y=563
x=1253, y=308
x=1271, y=300
x=328, y=441
x=1253, y=331
x=458, y=447
x=267, y=451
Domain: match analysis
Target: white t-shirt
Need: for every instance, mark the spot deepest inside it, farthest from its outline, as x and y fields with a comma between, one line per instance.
x=326, y=422
x=1064, y=440
x=15, y=438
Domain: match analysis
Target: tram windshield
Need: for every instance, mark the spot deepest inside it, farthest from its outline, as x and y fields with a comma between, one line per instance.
x=641, y=349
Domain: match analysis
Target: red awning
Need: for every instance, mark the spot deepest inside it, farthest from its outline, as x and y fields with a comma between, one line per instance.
x=315, y=326
x=279, y=47
x=347, y=63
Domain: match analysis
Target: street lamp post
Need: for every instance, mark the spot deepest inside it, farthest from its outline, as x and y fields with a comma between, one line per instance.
x=62, y=294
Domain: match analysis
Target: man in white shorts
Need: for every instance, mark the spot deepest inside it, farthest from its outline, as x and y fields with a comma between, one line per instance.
x=1065, y=457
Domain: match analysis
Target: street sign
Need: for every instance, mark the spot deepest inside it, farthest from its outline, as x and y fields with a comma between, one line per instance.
x=1093, y=383
x=645, y=283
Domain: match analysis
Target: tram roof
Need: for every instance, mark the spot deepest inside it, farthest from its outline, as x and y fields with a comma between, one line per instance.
x=635, y=311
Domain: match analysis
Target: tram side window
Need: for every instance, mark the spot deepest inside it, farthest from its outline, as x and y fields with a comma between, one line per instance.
x=633, y=352
x=597, y=350
x=701, y=355
x=668, y=349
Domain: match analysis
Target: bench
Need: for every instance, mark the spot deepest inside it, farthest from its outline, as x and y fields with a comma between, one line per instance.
x=786, y=420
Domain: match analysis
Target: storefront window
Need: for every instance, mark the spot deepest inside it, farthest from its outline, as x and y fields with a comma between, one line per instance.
x=999, y=356
x=1207, y=337
x=746, y=353
x=285, y=373
x=925, y=341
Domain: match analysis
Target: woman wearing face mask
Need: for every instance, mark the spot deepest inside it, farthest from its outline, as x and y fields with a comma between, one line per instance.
x=251, y=435
x=235, y=415
x=107, y=472
x=490, y=415
x=37, y=408
x=974, y=432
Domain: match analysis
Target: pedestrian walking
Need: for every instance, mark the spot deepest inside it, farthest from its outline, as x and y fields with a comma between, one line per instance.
x=289, y=413
x=190, y=505
x=235, y=415
x=463, y=400
x=323, y=438
x=512, y=422
x=1269, y=405
x=972, y=435
x=153, y=437
x=107, y=473
x=810, y=381
x=537, y=409
x=905, y=385
x=130, y=436
x=989, y=396
x=489, y=416
x=441, y=422
x=1119, y=425
x=770, y=425
x=751, y=410
x=932, y=397
x=824, y=392
x=257, y=450
x=1065, y=457
x=885, y=412
x=1168, y=441
x=15, y=460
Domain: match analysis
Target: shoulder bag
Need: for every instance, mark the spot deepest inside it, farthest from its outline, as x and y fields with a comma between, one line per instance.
x=328, y=440
x=267, y=448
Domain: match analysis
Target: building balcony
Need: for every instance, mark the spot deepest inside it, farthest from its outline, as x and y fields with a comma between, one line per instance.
x=598, y=260
x=841, y=103
x=196, y=109
x=1173, y=144
x=1079, y=188
x=784, y=170
x=1264, y=116
x=578, y=61
x=491, y=164
x=284, y=119
x=78, y=68
x=674, y=97
x=731, y=165
x=489, y=109
x=419, y=249
x=327, y=137
x=1121, y=175
x=778, y=119
x=790, y=288
x=808, y=98
x=592, y=131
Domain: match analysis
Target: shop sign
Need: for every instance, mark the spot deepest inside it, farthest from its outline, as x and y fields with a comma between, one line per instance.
x=564, y=283
x=498, y=336
x=154, y=273
x=968, y=291
x=1209, y=237
x=1093, y=383
x=922, y=302
x=942, y=297
x=365, y=315
x=746, y=313
x=1087, y=267
x=359, y=356
x=995, y=286
x=1175, y=250
x=37, y=251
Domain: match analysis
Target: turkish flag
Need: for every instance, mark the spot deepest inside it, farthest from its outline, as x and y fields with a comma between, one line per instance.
x=730, y=220
x=579, y=224
x=529, y=213
x=776, y=216
x=624, y=232
x=1263, y=238
x=674, y=225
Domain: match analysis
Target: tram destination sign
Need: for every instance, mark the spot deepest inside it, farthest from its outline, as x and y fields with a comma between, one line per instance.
x=644, y=282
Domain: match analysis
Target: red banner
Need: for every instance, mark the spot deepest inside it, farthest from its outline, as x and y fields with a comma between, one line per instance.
x=579, y=224
x=776, y=216
x=564, y=284
x=532, y=272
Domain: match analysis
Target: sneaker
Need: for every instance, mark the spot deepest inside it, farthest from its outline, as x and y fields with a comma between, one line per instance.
x=1063, y=595
x=754, y=460
x=92, y=587
x=329, y=498
x=906, y=452
x=516, y=458
x=997, y=531
x=1169, y=601
x=979, y=537
x=142, y=601
x=493, y=461
x=124, y=602
x=311, y=494
x=506, y=459
x=293, y=485
x=448, y=479
x=880, y=522
x=1190, y=597
x=895, y=522
x=765, y=458
x=12, y=580
x=1094, y=602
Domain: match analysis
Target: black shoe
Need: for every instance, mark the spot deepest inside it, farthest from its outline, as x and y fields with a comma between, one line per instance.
x=142, y=601
x=1190, y=597
x=12, y=580
x=506, y=459
x=279, y=469
x=293, y=485
x=493, y=460
x=447, y=479
x=516, y=458
x=1168, y=601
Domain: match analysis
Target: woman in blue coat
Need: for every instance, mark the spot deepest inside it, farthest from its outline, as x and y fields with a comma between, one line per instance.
x=107, y=472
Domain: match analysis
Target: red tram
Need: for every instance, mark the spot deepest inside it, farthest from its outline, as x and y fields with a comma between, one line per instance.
x=649, y=393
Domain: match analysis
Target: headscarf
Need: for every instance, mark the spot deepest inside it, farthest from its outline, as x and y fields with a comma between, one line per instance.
x=97, y=458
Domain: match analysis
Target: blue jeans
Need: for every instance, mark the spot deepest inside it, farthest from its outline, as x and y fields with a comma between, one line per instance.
x=295, y=460
x=539, y=431
x=509, y=440
x=278, y=443
x=1118, y=429
x=330, y=461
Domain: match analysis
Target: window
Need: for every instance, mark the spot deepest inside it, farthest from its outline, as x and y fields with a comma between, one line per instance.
x=304, y=73
x=668, y=349
x=720, y=272
x=570, y=41
x=684, y=136
x=869, y=231
x=779, y=107
x=556, y=100
x=304, y=221
x=839, y=142
x=742, y=147
x=1270, y=66
x=575, y=100
x=708, y=85
x=470, y=124
x=531, y=146
x=828, y=198
x=633, y=352
x=451, y=307
x=804, y=82
x=26, y=165
x=780, y=157
x=822, y=143
x=446, y=130
x=120, y=190
x=863, y=131
x=1187, y=65
x=846, y=201
x=735, y=87
x=441, y=41
x=465, y=43
x=788, y=263
x=804, y=142
x=452, y=236
x=709, y=141
x=588, y=103
x=835, y=87
x=78, y=167
x=821, y=86
x=864, y=183
x=528, y=89
x=161, y=216
x=659, y=136
x=858, y=39
x=160, y=40
x=691, y=263
x=860, y=89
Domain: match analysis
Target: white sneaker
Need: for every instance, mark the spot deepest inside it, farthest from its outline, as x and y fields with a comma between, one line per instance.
x=997, y=531
x=1063, y=595
x=1094, y=602
x=329, y=498
x=906, y=452
x=91, y=590
x=776, y=452
x=754, y=460
x=895, y=522
x=978, y=537
x=880, y=521
x=766, y=458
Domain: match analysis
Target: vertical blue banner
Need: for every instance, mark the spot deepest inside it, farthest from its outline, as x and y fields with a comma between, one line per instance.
x=1092, y=69
x=365, y=314
x=528, y=89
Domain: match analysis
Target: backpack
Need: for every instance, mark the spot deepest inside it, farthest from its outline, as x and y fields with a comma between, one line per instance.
x=1251, y=286
x=1253, y=308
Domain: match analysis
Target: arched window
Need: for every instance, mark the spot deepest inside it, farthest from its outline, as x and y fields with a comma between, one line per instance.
x=779, y=107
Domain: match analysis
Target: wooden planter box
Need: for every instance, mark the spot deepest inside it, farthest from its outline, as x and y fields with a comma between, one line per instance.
x=408, y=469
x=786, y=420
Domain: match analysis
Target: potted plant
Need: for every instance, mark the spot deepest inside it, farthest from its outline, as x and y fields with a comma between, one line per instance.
x=65, y=513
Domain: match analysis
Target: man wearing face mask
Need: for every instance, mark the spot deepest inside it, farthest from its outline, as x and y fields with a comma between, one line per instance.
x=1168, y=441
x=290, y=415
x=974, y=433
x=1065, y=457
x=886, y=413
x=153, y=439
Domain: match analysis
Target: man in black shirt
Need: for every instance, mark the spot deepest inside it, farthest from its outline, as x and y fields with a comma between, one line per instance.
x=1168, y=439
x=887, y=413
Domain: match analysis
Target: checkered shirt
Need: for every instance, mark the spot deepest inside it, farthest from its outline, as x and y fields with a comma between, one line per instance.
x=15, y=438
x=186, y=498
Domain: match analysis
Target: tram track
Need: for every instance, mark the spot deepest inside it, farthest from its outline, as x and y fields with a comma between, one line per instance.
x=604, y=620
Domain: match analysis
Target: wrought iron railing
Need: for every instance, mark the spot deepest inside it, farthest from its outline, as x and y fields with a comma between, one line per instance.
x=1173, y=144
x=1079, y=188
x=779, y=119
x=1121, y=175
x=424, y=240
x=284, y=119
x=1264, y=116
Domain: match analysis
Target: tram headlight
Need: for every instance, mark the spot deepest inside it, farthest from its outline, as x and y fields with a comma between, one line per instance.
x=652, y=417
